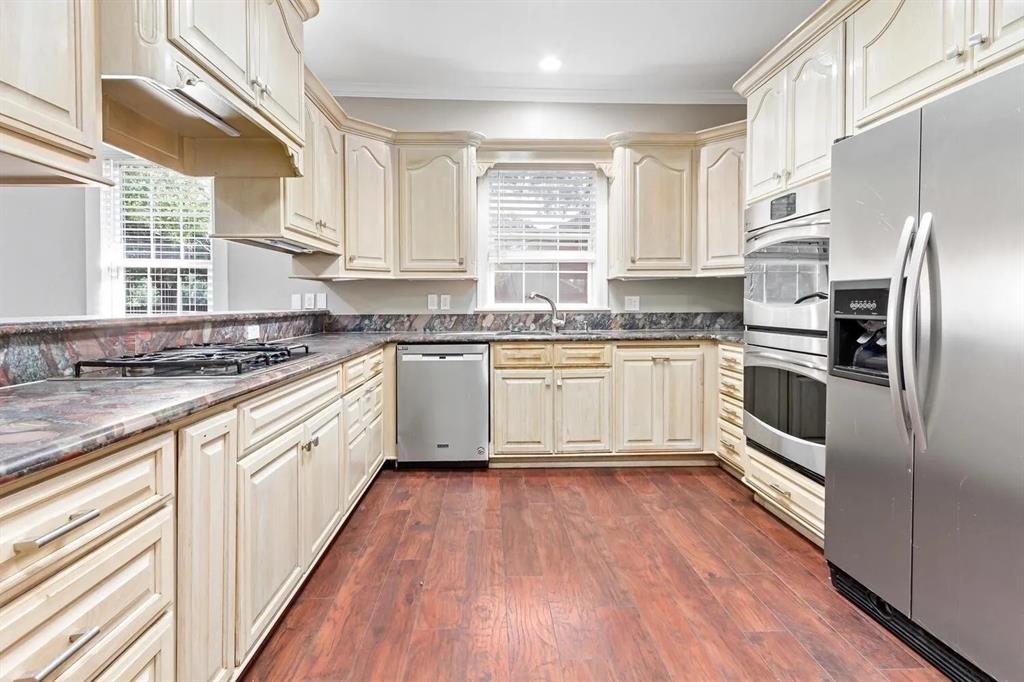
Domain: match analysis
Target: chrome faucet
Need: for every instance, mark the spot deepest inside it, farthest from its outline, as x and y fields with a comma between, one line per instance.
x=556, y=321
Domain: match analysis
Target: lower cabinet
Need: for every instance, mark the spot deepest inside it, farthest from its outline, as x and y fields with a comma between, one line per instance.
x=659, y=399
x=321, y=467
x=523, y=409
x=583, y=409
x=356, y=448
x=150, y=657
x=270, y=554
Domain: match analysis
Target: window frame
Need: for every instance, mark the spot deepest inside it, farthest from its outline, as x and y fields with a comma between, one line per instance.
x=115, y=264
x=597, y=285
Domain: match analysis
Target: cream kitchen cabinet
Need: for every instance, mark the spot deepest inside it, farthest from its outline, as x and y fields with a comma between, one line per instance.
x=279, y=64
x=582, y=404
x=998, y=31
x=436, y=203
x=207, y=461
x=322, y=470
x=49, y=93
x=328, y=180
x=369, y=219
x=900, y=52
x=793, y=119
x=721, y=197
x=271, y=555
x=652, y=213
x=218, y=36
x=659, y=399
x=522, y=405
x=363, y=410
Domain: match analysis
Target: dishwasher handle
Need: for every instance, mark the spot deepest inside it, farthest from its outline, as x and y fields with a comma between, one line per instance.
x=442, y=357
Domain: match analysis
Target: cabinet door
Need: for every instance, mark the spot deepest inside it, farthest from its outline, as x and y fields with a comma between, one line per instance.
x=720, y=202
x=270, y=554
x=279, y=37
x=375, y=444
x=998, y=30
x=434, y=209
x=321, y=462
x=901, y=51
x=328, y=179
x=48, y=81
x=583, y=410
x=523, y=411
x=766, y=138
x=660, y=220
x=301, y=193
x=637, y=399
x=815, y=87
x=207, y=460
x=682, y=398
x=356, y=447
x=217, y=35
x=368, y=212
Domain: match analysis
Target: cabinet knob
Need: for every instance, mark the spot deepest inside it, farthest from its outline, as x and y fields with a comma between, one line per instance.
x=632, y=259
x=462, y=261
x=776, y=175
x=351, y=259
x=954, y=52
x=976, y=39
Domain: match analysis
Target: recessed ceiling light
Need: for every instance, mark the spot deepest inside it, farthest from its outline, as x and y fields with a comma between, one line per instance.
x=550, y=64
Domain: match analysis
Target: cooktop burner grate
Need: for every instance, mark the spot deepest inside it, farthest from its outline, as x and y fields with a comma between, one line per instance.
x=208, y=359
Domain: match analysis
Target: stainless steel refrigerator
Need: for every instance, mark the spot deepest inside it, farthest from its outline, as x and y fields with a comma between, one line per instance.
x=924, y=515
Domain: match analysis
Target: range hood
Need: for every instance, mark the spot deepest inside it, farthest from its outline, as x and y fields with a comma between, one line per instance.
x=161, y=105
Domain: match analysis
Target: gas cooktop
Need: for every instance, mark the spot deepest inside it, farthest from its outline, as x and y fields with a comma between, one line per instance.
x=200, y=360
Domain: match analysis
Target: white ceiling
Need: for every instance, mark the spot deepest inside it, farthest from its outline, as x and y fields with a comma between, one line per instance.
x=668, y=51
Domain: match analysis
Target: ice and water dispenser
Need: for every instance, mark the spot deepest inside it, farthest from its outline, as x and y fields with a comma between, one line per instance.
x=859, y=335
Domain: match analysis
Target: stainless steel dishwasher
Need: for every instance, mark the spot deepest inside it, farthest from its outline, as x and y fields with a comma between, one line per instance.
x=443, y=403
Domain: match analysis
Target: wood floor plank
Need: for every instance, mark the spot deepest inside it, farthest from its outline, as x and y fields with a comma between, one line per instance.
x=646, y=574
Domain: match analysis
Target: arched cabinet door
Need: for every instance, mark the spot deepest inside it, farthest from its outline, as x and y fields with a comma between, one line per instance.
x=720, y=203
x=368, y=212
x=280, y=65
x=815, y=88
x=903, y=51
x=766, y=139
x=660, y=227
x=435, y=214
x=329, y=193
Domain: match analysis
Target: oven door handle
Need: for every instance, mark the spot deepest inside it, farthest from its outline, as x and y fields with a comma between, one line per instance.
x=759, y=358
x=893, y=312
x=908, y=321
x=806, y=222
x=755, y=241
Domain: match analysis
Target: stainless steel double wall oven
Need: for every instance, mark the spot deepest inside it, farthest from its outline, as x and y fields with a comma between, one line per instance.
x=786, y=312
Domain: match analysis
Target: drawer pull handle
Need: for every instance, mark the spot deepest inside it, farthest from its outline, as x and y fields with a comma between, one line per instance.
x=731, y=361
x=732, y=413
x=78, y=642
x=731, y=386
x=316, y=441
x=728, y=446
x=76, y=520
x=784, y=493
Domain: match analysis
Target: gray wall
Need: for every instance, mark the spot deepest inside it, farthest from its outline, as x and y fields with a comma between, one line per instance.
x=540, y=119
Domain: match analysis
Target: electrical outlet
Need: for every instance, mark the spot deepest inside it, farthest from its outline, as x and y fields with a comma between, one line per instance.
x=446, y=301
x=321, y=301
x=632, y=304
x=431, y=301
x=252, y=332
x=296, y=301
x=308, y=301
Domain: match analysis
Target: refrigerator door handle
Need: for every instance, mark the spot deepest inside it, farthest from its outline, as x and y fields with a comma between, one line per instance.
x=911, y=299
x=892, y=316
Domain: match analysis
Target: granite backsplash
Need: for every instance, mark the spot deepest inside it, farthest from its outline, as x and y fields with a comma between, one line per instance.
x=532, y=321
x=32, y=351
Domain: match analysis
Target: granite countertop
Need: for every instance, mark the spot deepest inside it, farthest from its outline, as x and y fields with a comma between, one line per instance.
x=48, y=422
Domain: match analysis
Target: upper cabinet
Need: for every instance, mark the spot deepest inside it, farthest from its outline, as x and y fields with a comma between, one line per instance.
x=436, y=203
x=720, y=201
x=998, y=30
x=327, y=178
x=278, y=38
x=369, y=187
x=902, y=51
x=208, y=32
x=793, y=119
x=49, y=93
x=652, y=217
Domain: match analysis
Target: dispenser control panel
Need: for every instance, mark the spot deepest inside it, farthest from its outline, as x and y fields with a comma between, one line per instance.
x=860, y=302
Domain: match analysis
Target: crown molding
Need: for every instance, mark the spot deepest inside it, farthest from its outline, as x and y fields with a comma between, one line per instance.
x=830, y=14
x=463, y=137
x=341, y=88
x=725, y=131
x=507, y=144
x=639, y=139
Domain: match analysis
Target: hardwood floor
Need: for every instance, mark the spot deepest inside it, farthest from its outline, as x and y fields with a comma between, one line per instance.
x=574, y=574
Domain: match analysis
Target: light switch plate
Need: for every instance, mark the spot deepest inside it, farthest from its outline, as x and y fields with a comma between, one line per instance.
x=308, y=301
x=252, y=332
x=321, y=301
x=296, y=301
x=446, y=301
x=431, y=301
x=632, y=304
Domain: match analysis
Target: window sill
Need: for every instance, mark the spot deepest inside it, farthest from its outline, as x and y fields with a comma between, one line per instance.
x=545, y=309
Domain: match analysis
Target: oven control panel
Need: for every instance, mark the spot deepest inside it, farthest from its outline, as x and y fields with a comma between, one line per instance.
x=860, y=302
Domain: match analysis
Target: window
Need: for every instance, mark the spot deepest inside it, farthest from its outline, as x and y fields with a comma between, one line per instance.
x=158, y=240
x=543, y=230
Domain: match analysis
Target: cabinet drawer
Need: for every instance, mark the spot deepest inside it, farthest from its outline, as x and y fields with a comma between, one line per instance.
x=352, y=413
x=262, y=417
x=373, y=398
x=731, y=411
x=522, y=354
x=802, y=497
x=730, y=357
x=731, y=385
x=357, y=371
x=94, y=607
x=44, y=524
x=150, y=657
x=583, y=354
x=730, y=444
